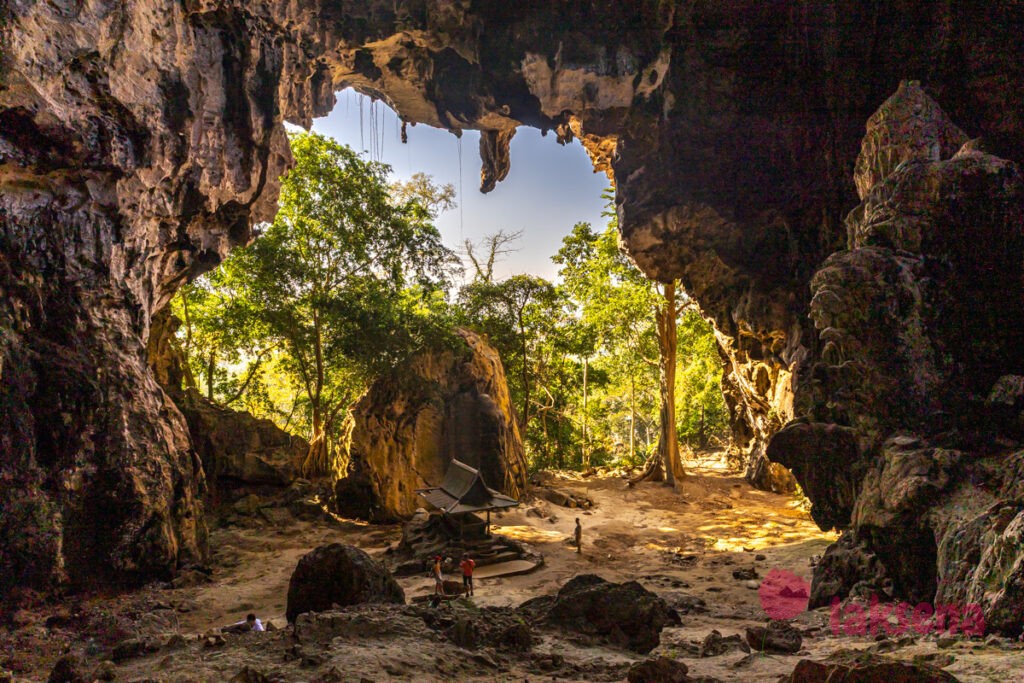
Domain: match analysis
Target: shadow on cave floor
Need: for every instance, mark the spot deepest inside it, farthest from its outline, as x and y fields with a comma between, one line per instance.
x=685, y=545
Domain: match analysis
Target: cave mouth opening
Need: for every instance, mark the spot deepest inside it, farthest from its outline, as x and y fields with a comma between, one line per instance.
x=540, y=274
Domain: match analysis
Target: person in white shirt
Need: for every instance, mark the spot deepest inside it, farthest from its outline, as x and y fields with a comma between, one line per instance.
x=251, y=623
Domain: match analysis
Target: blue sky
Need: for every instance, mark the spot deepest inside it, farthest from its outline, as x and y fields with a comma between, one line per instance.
x=550, y=187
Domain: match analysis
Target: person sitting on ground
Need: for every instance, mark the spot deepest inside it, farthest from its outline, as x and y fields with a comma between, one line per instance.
x=438, y=576
x=251, y=623
x=467, y=565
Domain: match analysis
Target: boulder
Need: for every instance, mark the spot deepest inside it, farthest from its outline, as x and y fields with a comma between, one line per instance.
x=778, y=636
x=659, y=669
x=563, y=498
x=852, y=666
x=69, y=669
x=714, y=644
x=339, y=574
x=624, y=614
x=406, y=428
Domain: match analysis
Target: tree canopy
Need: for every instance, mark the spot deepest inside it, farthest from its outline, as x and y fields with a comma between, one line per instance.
x=352, y=278
x=348, y=280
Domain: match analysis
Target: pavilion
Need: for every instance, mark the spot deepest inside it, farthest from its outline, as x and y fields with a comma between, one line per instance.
x=464, y=493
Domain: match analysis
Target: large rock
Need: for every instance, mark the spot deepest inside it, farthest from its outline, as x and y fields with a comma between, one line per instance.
x=409, y=425
x=339, y=574
x=852, y=666
x=659, y=669
x=778, y=636
x=237, y=448
x=847, y=568
x=919, y=325
x=141, y=140
x=624, y=614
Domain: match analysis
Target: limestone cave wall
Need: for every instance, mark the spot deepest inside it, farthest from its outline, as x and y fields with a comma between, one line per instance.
x=141, y=141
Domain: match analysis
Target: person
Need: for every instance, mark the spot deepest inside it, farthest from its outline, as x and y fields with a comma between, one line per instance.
x=438, y=576
x=579, y=536
x=467, y=565
x=251, y=623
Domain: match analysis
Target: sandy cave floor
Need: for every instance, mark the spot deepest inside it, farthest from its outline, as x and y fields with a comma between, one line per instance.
x=684, y=543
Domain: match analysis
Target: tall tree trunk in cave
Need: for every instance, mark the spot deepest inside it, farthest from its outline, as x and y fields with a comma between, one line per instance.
x=632, y=417
x=668, y=442
x=317, y=459
x=586, y=451
x=525, y=417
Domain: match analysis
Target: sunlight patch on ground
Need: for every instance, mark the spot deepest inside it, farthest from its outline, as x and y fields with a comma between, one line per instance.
x=529, y=534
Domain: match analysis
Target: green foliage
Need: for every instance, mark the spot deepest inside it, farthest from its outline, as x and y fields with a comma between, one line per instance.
x=351, y=279
x=582, y=356
x=348, y=281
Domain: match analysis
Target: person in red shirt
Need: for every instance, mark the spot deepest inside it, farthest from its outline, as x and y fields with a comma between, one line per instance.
x=467, y=565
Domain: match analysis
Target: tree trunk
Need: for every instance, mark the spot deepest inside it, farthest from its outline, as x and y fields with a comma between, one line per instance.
x=632, y=417
x=526, y=378
x=702, y=436
x=316, y=457
x=317, y=460
x=668, y=442
x=586, y=451
x=211, y=366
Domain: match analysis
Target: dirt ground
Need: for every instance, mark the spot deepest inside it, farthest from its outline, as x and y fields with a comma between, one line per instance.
x=684, y=545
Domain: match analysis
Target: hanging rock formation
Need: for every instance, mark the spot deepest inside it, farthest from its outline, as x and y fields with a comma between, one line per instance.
x=139, y=141
x=408, y=426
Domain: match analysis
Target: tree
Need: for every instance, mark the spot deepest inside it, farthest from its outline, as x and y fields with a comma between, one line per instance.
x=614, y=298
x=493, y=246
x=348, y=279
x=420, y=188
x=666, y=316
x=503, y=309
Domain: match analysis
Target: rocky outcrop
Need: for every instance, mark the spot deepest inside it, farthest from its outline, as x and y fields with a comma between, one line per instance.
x=857, y=666
x=239, y=449
x=778, y=636
x=624, y=614
x=409, y=425
x=235, y=448
x=140, y=141
x=659, y=669
x=339, y=574
x=905, y=436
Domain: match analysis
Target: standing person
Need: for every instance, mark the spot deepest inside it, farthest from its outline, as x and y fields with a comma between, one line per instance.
x=467, y=565
x=438, y=576
x=579, y=536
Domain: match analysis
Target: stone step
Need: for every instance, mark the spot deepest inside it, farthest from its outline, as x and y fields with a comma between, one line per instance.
x=507, y=568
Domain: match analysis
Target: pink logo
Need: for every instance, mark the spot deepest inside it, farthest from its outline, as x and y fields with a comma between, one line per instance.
x=783, y=594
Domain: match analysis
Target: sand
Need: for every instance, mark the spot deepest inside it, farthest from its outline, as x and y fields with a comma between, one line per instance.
x=683, y=544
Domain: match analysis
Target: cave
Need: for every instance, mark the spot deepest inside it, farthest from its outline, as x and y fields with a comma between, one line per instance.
x=836, y=185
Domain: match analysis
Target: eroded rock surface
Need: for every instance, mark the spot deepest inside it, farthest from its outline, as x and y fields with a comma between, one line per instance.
x=906, y=437
x=339, y=574
x=140, y=141
x=239, y=449
x=860, y=667
x=624, y=614
x=409, y=425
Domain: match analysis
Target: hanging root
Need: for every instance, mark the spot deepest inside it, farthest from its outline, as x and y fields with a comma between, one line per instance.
x=652, y=471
